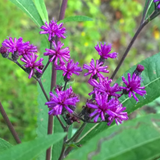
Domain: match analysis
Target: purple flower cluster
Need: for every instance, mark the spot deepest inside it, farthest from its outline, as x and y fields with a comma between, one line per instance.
x=107, y=109
x=30, y=62
x=69, y=69
x=104, y=104
x=53, y=29
x=64, y=101
x=104, y=50
x=133, y=85
x=95, y=70
x=58, y=55
x=19, y=48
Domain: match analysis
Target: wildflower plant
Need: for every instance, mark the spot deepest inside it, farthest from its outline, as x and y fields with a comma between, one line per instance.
x=104, y=117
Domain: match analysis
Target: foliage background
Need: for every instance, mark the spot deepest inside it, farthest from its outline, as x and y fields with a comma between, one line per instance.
x=113, y=22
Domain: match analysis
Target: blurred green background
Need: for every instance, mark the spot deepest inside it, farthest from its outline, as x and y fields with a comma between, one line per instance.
x=113, y=22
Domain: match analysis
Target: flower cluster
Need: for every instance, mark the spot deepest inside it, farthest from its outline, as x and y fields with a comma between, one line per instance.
x=53, y=29
x=26, y=51
x=64, y=101
x=104, y=104
x=58, y=55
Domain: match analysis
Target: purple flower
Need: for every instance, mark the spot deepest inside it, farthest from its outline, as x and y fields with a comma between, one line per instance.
x=64, y=100
x=15, y=45
x=30, y=48
x=32, y=64
x=116, y=112
x=133, y=85
x=101, y=107
x=107, y=109
x=95, y=70
x=158, y=4
x=104, y=50
x=57, y=52
x=53, y=29
x=104, y=86
x=69, y=69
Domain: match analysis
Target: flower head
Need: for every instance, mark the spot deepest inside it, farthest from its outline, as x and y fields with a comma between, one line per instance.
x=32, y=64
x=58, y=53
x=53, y=29
x=133, y=85
x=30, y=48
x=95, y=70
x=103, y=50
x=64, y=101
x=107, y=109
x=104, y=86
x=116, y=112
x=69, y=69
x=14, y=45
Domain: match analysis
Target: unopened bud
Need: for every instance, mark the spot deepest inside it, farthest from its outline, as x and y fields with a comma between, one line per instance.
x=138, y=70
x=4, y=52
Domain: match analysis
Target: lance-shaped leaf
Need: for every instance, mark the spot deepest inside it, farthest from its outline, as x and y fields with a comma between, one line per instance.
x=41, y=7
x=29, y=8
x=29, y=150
x=149, y=10
x=135, y=139
x=4, y=145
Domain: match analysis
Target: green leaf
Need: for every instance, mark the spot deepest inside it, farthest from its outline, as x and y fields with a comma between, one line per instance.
x=150, y=9
x=29, y=150
x=29, y=8
x=75, y=19
x=4, y=145
x=151, y=81
x=41, y=7
x=135, y=139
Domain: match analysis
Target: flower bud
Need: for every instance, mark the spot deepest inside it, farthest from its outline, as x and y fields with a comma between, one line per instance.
x=138, y=70
x=4, y=52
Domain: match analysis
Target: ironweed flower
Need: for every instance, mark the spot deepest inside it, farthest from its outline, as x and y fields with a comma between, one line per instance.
x=107, y=108
x=32, y=64
x=116, y=113
x=95, y=70
x=65, y=100
x=103, y=50
x=15, y=45
x=53, y=29
x=104, y=86
x=58, y=53
x=69, y=69
x=133, y=85
x=158, y=4
x=28, y=50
